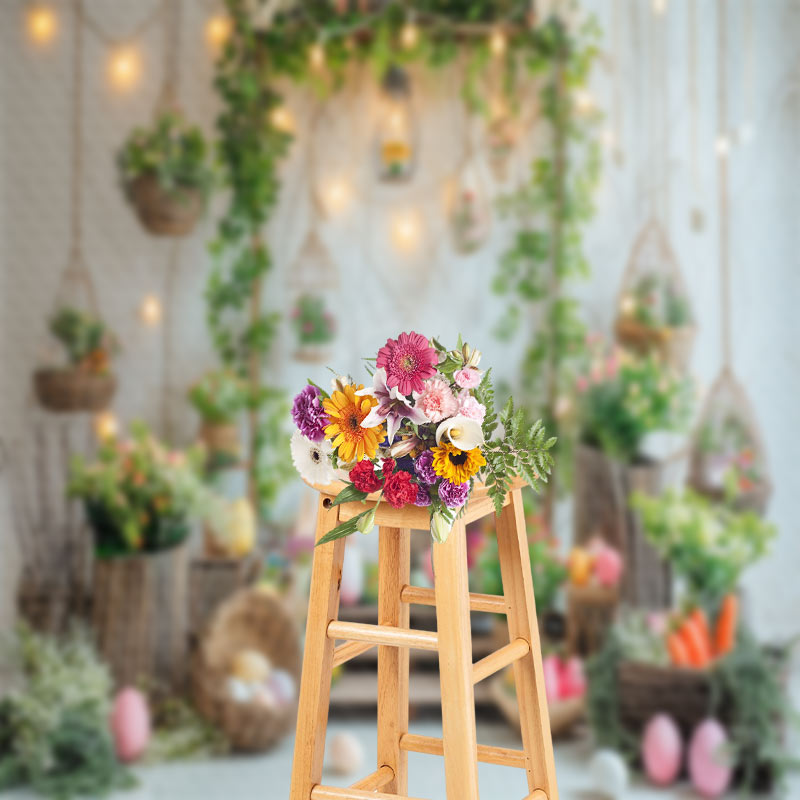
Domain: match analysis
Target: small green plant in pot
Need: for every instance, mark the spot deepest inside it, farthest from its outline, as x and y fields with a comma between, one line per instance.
x=220, y=397
x=140, y=496
x=166, y=173
x=85, y=381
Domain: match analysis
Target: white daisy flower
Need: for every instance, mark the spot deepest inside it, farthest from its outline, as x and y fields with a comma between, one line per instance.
x=312, y=459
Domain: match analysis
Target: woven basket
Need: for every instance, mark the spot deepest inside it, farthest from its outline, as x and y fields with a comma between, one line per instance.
x=590, y=613
x=221, y=439
x=253, y=619
x=73, y=389
x=673, y=345
x=165, y=212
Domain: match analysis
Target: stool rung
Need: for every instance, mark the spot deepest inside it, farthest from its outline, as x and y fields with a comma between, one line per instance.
x=494, y=662
x=537, y=795
x=504, y=756
x=491, y=603
x=376, y=781
x=348, y=651
x=336, y=793
x=383, y=634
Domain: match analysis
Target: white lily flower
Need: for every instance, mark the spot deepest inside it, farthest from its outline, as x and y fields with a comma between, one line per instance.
x=440, y=528
x=462, y=432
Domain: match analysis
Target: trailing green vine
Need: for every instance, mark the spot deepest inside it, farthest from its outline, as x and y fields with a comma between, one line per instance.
x=313, y=44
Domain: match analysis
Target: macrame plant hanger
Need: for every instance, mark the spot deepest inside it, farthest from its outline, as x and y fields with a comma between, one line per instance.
x=653, y=310
x=728, y=457
x=314, y=277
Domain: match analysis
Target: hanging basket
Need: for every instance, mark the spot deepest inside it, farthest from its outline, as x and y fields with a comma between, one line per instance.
x=73, y=389
x=728, y=458
x=252, y=619
x=654, y=314
x=165, y=212
x=221, y=439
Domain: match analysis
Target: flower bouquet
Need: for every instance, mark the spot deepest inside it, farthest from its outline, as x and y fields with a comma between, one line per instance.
x=420, y=435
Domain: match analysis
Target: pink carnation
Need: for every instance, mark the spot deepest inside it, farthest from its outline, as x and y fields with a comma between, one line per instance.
x=437, y=400
x=468, y=378
x=469, y=407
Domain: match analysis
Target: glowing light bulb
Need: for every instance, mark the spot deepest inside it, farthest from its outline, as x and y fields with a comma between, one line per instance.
x=106, y=425
x=125, y=68
x=41, y=23
x=218, y=30
x=722, y=146
x=497, y=42
x=282, y=119
x=336, y=195
x=406, y=231
x=627, y=304
x=660, y=7
x=584, y=102
x=608, y=137
x=316, y=56
x=150, y=311
x=409, y=36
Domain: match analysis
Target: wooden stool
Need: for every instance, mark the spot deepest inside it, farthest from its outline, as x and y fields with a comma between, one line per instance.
x=392, y=636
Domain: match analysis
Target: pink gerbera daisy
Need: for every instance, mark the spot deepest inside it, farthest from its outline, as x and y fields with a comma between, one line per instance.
x=408, y=360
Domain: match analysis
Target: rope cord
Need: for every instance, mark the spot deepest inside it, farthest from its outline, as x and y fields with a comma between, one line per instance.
x=722, y=174
x=694, y=115
x=168, y=98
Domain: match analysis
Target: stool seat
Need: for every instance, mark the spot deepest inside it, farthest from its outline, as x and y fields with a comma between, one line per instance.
x=393, y=637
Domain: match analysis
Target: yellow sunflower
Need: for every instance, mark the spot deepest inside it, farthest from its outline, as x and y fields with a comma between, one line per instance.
x=346, y=412
x=456, y=466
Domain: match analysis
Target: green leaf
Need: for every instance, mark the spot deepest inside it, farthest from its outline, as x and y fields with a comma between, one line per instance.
x=348, y=495
x=345, y=529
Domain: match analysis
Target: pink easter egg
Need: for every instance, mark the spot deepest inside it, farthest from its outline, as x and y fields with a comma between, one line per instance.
x=709, y=767
x=662, y=750
x=572, y=681
x=608, y=566
x=551, y=668
x=130, y=724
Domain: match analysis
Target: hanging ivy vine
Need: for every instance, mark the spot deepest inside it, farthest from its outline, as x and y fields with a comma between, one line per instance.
x=263, y=50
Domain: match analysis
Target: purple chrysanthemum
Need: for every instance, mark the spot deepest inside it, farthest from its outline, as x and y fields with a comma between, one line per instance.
x=423, y=498
x=309, y=415
x=453, y=495
x=423, y=466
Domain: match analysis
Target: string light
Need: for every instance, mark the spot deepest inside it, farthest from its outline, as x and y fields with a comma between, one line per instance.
x=106, y=426
x=660, y=7
x=584, y=102
x=406, y=231
x=722, y=146
x=316, y=56
x=41, y=23
x=497, y=42
x=409, y=36
x=125, y=68
x=218, y=30
x=282, y=119
x=336, y=195
x=150, y=311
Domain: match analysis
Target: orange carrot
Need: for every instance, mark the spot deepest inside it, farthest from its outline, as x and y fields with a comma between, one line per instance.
x=727, y=621
x=698, y=616
x=677, y=650
x=695, y=646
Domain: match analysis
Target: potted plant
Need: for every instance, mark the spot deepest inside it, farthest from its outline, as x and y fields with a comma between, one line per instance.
x=86, y=382
x=623, y=401
x=141, y=499
x=166, y=174
x=220, y=397
x=314, y=327
x=655, y=316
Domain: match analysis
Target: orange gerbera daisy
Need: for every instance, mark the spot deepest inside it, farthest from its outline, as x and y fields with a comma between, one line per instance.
x=346, y=412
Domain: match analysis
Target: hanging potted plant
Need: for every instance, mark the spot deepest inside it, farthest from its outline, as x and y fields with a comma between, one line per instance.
x=85, y=383
x=220, y=397
x=166, y=174
x=314, y=327
x=141, y=499
x=624, y=403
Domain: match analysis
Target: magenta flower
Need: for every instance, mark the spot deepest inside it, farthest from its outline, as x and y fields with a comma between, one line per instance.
x=423, y=466
x=308, y=414
x=437, y=400
x=468, y=378
x=408, y=360
x=392, y=407
x=423, y=498
x=453, y=495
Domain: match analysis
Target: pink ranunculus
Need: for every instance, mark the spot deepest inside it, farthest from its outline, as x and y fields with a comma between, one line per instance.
x=582, y=383
x=468, y=378
x=437, y=400
x=469, y=407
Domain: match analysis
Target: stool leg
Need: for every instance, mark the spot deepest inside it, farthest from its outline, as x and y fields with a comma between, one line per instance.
x=394, y=562
x=315, y=684
x=455, y=666
x=512, y=545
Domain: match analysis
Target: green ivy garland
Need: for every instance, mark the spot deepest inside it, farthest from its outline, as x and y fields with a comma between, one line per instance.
x=251, y=148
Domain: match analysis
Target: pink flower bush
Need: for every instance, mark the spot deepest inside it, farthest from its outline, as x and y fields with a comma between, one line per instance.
x=469, y=407
x=437, y=400
x=408, y=360
x=467, y=378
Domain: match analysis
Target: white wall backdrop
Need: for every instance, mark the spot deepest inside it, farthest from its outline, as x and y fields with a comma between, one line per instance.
x=437, y=291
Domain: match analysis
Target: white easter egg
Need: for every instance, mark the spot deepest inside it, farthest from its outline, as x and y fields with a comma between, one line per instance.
x=345, y=754
x=609, y=774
